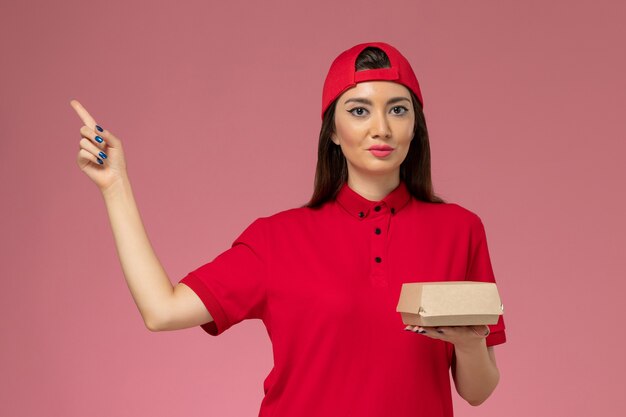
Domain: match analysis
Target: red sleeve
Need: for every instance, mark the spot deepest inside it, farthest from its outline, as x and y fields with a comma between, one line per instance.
x=479, y=269
x=233, y=285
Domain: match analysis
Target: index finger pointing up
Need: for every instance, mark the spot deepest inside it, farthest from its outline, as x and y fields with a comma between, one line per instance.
x=83, y=114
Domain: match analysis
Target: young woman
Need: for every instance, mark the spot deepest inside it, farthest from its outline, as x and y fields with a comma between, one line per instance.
x=325, y=278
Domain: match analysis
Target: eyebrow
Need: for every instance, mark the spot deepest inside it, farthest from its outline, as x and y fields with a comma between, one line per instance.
x=366, y=101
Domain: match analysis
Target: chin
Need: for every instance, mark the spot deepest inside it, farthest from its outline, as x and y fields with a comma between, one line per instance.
x=379, y=171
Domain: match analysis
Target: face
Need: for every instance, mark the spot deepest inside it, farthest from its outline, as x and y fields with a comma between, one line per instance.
x=374, y=114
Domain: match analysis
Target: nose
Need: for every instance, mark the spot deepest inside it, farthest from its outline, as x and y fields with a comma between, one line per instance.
x=380, y=125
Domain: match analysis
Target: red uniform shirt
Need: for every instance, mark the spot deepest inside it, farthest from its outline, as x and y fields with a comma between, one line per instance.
x=326, y=284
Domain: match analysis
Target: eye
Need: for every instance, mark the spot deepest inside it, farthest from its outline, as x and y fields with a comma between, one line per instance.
x=402, y=108
x=360, y=111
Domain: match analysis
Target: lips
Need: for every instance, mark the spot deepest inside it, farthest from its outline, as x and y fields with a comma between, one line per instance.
x=380, y=151
x=380, y=148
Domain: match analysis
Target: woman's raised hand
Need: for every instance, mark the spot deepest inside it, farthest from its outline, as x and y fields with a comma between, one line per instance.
x=101, y=156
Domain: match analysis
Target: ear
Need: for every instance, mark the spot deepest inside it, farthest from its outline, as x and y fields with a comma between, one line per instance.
x=333, y=137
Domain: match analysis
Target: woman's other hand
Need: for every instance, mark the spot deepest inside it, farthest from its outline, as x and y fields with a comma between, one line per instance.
x=101, y=156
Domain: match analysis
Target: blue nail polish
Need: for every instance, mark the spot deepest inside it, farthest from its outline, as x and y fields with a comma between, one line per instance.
x=103, y=155
x=99, y=128
x=99, y=139
x=99, y=161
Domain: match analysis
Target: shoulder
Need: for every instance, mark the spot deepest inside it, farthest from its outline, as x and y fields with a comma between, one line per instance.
x=450, y=213
x=452, y=220
x=272, y=229
x=290, y=217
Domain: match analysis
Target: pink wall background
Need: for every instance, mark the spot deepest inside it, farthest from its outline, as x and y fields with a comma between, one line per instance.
x=217, y=105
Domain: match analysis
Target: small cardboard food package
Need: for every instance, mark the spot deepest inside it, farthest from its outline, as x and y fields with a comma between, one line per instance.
x=449, y=303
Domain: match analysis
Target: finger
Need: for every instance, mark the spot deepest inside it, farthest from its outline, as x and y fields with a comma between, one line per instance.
x=430, y=332
x=83, y=114
x=84, y=155
x=431, y=329
x=92, y=149
x=109, y=138
x=483, y=332
x=414, y=329
x=419, y=329
x=449, y=329
x=87, y=132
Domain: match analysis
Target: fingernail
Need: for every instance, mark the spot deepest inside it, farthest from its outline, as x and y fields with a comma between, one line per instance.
x=103, y=155
x=421, y=331
x=99, y=128
x=99, y=160
x=99, y=139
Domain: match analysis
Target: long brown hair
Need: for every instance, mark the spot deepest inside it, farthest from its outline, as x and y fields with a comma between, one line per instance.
x=332, y=170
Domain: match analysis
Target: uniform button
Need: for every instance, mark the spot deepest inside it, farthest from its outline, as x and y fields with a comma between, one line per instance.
x=377, y=231
x=377, y=208
x=378, y=259
x=361, y=214
x=393, y=210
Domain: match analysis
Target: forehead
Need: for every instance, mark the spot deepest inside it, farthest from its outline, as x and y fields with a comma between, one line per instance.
x=375, y=90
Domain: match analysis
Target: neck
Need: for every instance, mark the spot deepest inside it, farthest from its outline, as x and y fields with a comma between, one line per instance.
x=373, y=189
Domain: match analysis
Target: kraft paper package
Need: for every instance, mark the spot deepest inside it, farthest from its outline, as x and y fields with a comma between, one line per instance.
x=449, y=303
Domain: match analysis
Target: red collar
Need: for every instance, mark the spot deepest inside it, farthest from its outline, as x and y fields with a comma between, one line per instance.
x=361, y=208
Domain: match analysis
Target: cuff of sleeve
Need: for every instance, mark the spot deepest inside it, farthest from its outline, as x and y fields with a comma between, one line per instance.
x=220, y=321
x=496, y=338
